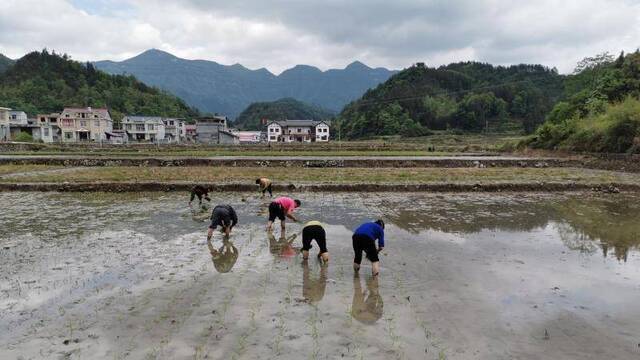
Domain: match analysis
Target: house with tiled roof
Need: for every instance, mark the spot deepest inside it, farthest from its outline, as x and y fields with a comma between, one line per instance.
x=144, y=128
x=85, y=124
x=298, y=131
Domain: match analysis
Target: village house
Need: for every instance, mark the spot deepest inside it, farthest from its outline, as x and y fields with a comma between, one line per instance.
x=175, y=130
x=18, y=118
x=144, y=128
x=190, y=132
x=215, y=130
x=5, y=132
x=85, y=124
x=298, y=131
x=19, y=123
x=50, y=131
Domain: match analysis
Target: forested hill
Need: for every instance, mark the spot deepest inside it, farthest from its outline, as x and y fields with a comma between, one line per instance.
x=601, y=108
x=5, y=63
x=469, y=96
x=287, y=108
x=43, y=82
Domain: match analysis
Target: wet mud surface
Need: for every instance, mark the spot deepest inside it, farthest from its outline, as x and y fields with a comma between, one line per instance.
x=464, y=276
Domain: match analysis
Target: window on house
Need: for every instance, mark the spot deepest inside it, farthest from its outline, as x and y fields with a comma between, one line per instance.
x=83, y=115
x=95, y=116
x=42, y=119
x=273, y=138
x=139, y=127
x=83, y=123
x=151, y=127
x=46, y=131
x=96, y=123
x=67, y=122
x=68, y=135
x=128, y=127
x=66, y=115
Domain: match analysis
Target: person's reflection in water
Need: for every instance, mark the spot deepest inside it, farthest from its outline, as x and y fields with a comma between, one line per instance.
x=313, y=289
x=367, y=304
x=281, y=247
x=225, y=257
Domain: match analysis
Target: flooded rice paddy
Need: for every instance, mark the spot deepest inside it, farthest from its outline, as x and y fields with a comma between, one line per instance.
x=464, y=276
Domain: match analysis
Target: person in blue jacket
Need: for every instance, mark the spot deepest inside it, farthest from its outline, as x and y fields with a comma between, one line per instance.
x=364, y=239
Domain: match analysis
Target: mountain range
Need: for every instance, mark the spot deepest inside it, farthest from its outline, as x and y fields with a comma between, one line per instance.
x=229, y=89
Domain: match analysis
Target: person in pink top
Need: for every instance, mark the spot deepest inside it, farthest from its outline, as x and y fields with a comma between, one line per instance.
x=282, y=208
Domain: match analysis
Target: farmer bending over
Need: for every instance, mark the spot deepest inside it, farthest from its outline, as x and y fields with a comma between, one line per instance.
x=282, y=208
x=199, y=191
x=364, y=239
x=313, y=230
x=223, y=216
x=265, y=185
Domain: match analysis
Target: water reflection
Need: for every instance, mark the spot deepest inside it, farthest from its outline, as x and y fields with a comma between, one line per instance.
x=225, y=257
x=586, y=224
x=460, y=214
x=613, y=225
x=367, y=305
x=281, y=246
x=313, y=288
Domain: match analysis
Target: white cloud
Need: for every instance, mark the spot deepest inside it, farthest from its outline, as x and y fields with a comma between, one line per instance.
x=278, y=34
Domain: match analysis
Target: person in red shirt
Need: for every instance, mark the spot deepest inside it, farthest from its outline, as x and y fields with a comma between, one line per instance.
x=282, y=208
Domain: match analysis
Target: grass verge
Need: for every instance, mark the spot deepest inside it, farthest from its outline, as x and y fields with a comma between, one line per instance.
x=314, y=175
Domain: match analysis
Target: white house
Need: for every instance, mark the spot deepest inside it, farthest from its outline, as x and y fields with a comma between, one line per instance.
x=49, y=129
x=144, y=128
x=298, y=131
x=85, y=124
x=174, y=130
x=18, y=118
x=5, y=131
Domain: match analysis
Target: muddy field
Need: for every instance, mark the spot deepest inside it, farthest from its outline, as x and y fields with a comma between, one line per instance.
x=464, y=276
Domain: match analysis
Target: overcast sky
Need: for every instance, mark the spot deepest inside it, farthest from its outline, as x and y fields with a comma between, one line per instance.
x=279, y=34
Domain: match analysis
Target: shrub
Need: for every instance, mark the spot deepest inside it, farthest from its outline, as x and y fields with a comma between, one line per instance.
x=23, y=137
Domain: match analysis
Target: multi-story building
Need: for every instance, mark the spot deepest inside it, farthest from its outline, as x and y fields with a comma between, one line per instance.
x=214, y=130
x=20, y=123
x=5, y=127
x=50, y=131
x=18, y=118
x=175, y=130
x=298, y=131
x=144, y=128
x=85, y=124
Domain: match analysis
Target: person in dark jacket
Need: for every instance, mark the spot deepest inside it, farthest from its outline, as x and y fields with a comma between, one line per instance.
x=225, y=217
x=201, y=192
x=364, y=239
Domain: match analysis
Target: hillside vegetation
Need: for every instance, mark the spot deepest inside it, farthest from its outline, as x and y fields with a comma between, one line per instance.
x=601, y=112
x=468, y=96
x=5, y=63
x=43, y=82
x=288, y=108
